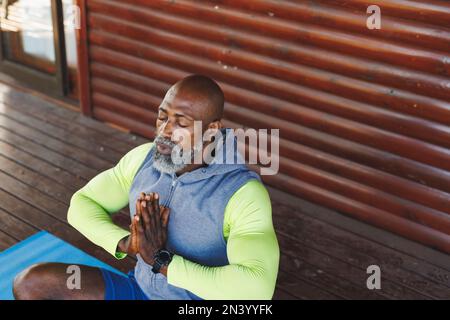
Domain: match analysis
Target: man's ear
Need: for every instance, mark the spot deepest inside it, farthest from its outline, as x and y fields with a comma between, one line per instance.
x=215, y=125
x=212, y=130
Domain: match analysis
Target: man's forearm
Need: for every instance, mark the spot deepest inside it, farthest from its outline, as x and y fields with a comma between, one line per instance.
x=106, y=193
x=95, y=223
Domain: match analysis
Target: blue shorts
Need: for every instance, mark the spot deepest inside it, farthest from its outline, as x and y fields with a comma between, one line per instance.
x=118, y=287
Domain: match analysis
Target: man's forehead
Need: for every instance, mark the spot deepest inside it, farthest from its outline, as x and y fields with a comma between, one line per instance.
x=183, y=93
x=187, y=102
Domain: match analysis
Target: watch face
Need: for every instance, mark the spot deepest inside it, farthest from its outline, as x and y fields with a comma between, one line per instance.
x=164, y=256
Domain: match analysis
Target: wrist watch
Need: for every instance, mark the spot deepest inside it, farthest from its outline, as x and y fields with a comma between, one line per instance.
x=161, y=258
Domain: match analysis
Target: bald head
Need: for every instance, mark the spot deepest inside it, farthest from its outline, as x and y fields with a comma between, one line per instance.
x=208, y=96
x=192, y=100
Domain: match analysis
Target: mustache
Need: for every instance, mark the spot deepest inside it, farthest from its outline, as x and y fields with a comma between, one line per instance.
x=167, y=142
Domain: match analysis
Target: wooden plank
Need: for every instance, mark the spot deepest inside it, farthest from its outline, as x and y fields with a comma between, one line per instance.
x=51, y=206
x=15, y=227
x=42, y=167
x=430, y=12
x=137, y=126
x=302, y=289
x=324, y=248
x=80, y=170
x=350, y=286
x=29, y=213
x=13, y=96
x=100, y=149
x=354, y=235
x=75, y=128
x=281, y=294
x=55, y=182
x=341, y=269
x=6, y=241
x=69, y=151
x=42, y=199
x=36, y=180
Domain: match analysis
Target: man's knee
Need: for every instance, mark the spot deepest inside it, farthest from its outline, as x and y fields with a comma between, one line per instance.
x=33, y=283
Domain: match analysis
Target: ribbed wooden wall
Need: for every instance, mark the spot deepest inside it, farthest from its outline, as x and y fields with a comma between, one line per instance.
x=364, y=115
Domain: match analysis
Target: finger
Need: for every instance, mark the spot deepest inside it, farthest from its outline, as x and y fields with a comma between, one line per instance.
x=138, y=207
x=150, y=212
x=157, y=213
x=139, y=221
x=145, y=215
x=141, y=198
x=165, y=217
x=156, y=203
x=143, y=221
x=153, y=217
x=136, y=237
x=140, y=232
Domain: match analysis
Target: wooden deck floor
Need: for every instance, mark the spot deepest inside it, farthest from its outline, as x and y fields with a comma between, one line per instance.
x=47, y=152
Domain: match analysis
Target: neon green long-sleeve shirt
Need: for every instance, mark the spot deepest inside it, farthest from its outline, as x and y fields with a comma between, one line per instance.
x=252, y=246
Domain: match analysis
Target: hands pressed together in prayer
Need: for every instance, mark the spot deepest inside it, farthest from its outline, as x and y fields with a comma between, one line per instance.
x=148, y=229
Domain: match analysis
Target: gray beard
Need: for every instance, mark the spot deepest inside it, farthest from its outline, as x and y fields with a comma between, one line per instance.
x=166, y=164
x=163, y=163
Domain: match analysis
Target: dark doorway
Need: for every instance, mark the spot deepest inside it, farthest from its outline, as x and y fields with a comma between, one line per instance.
x=38, y=45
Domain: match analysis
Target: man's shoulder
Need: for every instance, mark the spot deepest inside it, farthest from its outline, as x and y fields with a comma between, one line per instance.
x=252, y=191
x=252, y=188
x=140, y=149
x=133, y=159
x=137, y=153
x=251, y=202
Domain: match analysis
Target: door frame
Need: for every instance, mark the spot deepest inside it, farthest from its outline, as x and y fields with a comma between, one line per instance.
x=55, y=85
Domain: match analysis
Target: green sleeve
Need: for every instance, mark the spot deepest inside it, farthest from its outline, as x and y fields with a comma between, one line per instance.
x=252, y=249
x=91, y=207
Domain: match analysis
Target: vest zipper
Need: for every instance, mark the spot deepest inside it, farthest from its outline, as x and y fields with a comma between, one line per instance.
x=172, y=188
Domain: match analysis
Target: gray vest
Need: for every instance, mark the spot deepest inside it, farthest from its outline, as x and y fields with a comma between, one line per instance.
x=197, y=202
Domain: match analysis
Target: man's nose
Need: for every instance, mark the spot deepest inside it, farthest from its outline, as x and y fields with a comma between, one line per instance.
x=165, y=130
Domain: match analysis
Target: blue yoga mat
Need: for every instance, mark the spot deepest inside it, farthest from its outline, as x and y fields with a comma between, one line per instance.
x=40, y=247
